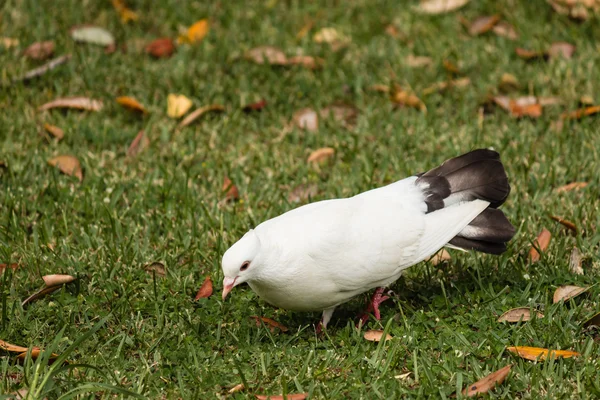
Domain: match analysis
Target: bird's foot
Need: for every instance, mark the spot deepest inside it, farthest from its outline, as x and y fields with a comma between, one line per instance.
x=373, y=306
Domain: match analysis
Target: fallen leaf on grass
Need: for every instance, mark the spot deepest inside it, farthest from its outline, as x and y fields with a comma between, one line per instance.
x=508, y=83
x=205, y=290
x=450, y=67
x=200, y=112
x=538, y=353
x=593, y=321
x=582, y=112
x=586, y=100
x=504, y=29
x=296, y=396
x=12, y=348
x=320, y=155
x=392, y=31
x=258, y=106
x=139, y=143
x=486, y=384
x=39, y=71
x=576, y=9
x=52, y=284
x=157, y=268
x=567, y=292
x=267, y=54
x=305, y=29
x=195, y=33
x=177, y=105
x=483, y=24
x=380, y=88
x=440, y=257
x=540, y=244
x=332, y=37
x=376, y=336
x=271, y=324
x=9, y=42
x=340, y=112
x=237, y=388
x=125, y=13
x=575, y=261
x=54, y=131
x=93, y=35
x=440, y=86
x=306, y=119
x=57, y=279
x=528, y=106
x=404, y=98
x=12, y=266
x=418, y=61
x=35, y=353
x=68, y=165
x=39, y=294
x=571, y=186
x=529, y=55
x=440, y=6
x=567, y=224
x=563, y=49
x=302, y=193
x=519, y=314
x=230, y=190
x=40, y=50
x=78, y=103
x=309, y=62
x=131, y=104
x=161, y=48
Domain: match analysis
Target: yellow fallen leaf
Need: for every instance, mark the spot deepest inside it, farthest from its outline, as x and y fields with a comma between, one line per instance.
x=68, y=165
x=54, y=131
x=125, y=13
x=321, y=154
x=376, y=336
x=538, y=353
x=131, y=104
x=486, y=384
x=177, y=105
x=195, y=33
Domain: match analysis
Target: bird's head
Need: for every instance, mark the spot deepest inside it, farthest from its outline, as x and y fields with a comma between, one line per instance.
x=239, y=262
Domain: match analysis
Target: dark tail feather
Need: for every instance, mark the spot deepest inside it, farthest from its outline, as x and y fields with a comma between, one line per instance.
x=478, y=174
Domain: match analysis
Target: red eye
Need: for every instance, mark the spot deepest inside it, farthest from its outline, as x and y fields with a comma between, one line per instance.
x=245, y=266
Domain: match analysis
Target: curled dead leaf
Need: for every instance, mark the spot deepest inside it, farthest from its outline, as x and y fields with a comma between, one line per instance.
x=57, y=279
x=567, y=292
x=131, y=104
x=508, y=82
x=54, y=131
x=79, y=103
x=35, y=353
x=571, y=186
x=506, y=30
x=487, y=383
x=519, y=314
x=68, y=165
x=267, y=55
x=237, y=388
x=306, y=119
x=567, y=224
x=195, y=33
x=529, y=55
x=205, y=290
x=156, y=268
x=540, y=245
x=40, y=50
x=177, y=105
x=582, y=112
x=434, y=7
x=538, y=353
x=271, y=324
x=12, y=348
x=320, y=155
x=483, y=24
x=575, y=261
x=161, y=48
x=376, y=336
x=309, y=62
x=403, y=98
x=231, y=191
x=440, y=257
x=139, y=143
x=40, y=294
x=200, y=112
x=258, y=106
x=294, y=396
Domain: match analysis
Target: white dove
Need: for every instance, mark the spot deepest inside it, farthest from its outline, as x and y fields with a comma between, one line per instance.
x=320, y=255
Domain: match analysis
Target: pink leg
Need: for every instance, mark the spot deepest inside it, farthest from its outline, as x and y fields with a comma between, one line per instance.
x=373, y=306
x=324, y=320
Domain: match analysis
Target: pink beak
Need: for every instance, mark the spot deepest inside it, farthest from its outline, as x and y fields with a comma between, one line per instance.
x=228, y=284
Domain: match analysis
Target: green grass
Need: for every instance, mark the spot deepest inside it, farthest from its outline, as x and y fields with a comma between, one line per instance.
x=164, y=204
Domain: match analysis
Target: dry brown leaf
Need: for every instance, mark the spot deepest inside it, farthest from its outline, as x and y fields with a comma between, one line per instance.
x=486, y=384
x=340, y=112
x=528, y=110
x=178, y=105
x=563, y=49
x=237, y=388
x=54, y=131
x=195, y=33
x=12, y=266
x=332, y=37
x=440, y=6
x=586, y=100
x=538, y=353
x=440, y=257
x=582, y=112
x=205, y=290
x=79, y=103
x=200, y=112
x=483, y=24
x=593, y=321
x=571, y=186
x=380, y=88
x=157, y=268
x=9, y=42
x=567, y=224
x=320, y=155
x=131, y=104
x=504, y=29
x=508, y=83
x=309, y=62
x=403, y=98
x=40, y=293
x=57, y=279
x=306, y=119
x=549, y=101
x=161, y=48
x=450, y=67
x=125, y=13
x=230, y=190
x=68, y=165
x=40, y=50
x=295, y=396
x=12, y=348
x=567, y=292
x=35, y=353
x=575, y=261
x=258, y=106
x=139, y=143
x=302, y=193
x=376, y=336
x=519, y=314
x=418, y=61
x=267, y=54
x=271, y=324
x=579, y=10
x=39, y=71
x=530, y=54
x=392, y=31
x=440, y=86
x=540, y=244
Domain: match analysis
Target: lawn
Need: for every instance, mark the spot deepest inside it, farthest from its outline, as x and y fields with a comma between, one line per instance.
x=126, y=328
